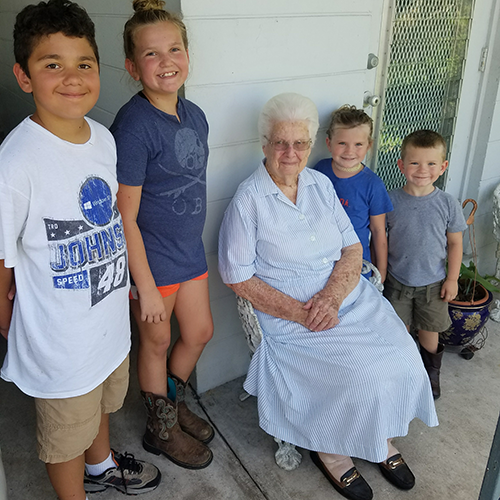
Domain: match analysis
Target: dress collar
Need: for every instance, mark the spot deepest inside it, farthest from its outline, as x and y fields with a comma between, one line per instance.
x=266, y=186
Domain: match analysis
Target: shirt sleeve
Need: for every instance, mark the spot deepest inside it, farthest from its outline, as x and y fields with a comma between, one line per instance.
x=237, y=245
x=380, y=202
x=14, y=208
x=457, y=220
x=132, y=158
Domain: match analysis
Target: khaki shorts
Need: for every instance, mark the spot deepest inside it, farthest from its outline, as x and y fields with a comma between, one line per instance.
x=68, y=427
x=421, y=307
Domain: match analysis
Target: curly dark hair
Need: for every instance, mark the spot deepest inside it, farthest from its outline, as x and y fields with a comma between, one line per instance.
x=46, y=18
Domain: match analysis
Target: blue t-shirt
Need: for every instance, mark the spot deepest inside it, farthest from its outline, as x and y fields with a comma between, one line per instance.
x=168, y=159
x=362, y=196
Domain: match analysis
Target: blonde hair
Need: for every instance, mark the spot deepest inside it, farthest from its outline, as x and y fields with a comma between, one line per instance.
x=348, y=116
x=149, y=12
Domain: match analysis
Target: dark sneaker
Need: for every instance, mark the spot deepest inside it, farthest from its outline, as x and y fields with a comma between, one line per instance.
x=130, y=476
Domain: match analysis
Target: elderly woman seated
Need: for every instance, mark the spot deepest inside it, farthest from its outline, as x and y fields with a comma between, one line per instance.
x=336, y=372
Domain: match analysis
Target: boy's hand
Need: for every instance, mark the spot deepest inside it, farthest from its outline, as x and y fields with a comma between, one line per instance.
x=449, y=290
x=152, y=307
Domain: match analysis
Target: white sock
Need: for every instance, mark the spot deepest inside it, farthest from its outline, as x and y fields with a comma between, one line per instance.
x=98, y=469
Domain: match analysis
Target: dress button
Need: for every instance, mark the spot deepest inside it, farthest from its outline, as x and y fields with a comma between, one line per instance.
x=313, y=238
x=325, y=260
x=302, y=217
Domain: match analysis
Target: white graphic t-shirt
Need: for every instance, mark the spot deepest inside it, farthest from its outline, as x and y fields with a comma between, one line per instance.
x=61, y=231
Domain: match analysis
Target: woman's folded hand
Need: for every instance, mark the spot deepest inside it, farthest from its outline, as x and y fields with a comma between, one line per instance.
x=323, y=312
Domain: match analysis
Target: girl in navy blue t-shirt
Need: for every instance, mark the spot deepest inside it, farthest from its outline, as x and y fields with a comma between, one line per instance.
x=162, y=157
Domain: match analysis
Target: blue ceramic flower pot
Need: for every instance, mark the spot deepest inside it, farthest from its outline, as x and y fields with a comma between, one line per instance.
x=466, y=320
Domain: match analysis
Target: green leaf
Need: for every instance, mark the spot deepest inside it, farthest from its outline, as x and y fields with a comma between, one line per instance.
x=469, y=273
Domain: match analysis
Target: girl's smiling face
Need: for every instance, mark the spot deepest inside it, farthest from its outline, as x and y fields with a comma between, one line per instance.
x=161, y=61
x=349, y=146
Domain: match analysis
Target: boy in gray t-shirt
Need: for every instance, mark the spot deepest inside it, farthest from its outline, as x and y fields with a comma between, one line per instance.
x=424, y=230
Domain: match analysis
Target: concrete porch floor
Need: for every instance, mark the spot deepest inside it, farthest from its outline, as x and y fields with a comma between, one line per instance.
x=448, y=461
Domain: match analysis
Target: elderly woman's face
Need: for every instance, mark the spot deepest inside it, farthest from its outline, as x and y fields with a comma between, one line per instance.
x=285, y=165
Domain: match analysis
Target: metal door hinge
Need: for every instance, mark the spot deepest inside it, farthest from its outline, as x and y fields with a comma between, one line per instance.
x=484, y=58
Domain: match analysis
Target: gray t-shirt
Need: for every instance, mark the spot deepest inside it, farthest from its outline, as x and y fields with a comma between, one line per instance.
x=417, y=235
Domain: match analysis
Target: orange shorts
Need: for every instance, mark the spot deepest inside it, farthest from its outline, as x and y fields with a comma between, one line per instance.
x=166, y=290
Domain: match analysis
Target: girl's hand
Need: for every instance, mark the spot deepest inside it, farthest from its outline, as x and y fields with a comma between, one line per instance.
x=449, y=290
x=323, y=313
x=152, y=306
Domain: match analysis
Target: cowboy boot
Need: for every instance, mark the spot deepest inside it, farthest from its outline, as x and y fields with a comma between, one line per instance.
x=432, y=364
x=164, y=435
x=190, y=423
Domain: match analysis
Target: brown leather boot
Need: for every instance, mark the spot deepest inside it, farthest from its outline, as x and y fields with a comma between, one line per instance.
x=432, y=364
x=190, y=423
x=164, y=435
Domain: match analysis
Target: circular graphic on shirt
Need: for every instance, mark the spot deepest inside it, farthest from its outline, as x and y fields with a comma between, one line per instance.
x=189, y=149
x=96, y=201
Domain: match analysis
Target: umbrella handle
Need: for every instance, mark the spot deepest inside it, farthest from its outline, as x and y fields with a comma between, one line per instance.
x=470, y=219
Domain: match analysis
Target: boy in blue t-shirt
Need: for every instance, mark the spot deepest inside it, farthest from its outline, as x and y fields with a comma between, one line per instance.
x=61, y=239
x=361, y=192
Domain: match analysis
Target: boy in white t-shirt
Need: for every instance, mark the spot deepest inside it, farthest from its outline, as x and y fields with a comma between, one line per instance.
x=62, y=243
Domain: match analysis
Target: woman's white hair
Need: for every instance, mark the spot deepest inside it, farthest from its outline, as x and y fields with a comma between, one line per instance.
x=287, y=107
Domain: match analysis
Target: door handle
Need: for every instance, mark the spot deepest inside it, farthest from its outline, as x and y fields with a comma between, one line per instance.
x=371, y=100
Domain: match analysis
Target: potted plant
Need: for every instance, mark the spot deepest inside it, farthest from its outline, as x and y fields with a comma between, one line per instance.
x=469, y=311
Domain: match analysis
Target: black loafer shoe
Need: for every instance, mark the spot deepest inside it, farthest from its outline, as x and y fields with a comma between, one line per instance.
x=395, y=470
x=351, y=485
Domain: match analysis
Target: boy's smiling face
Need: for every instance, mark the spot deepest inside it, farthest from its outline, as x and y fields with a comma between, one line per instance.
x=64, y=80
x=422, y=167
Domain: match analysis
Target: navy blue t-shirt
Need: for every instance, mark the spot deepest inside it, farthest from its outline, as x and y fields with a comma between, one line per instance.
x=362, y=196
x=168, y=159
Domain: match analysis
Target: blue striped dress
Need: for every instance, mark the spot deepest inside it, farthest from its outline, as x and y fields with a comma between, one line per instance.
x=345, y=390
